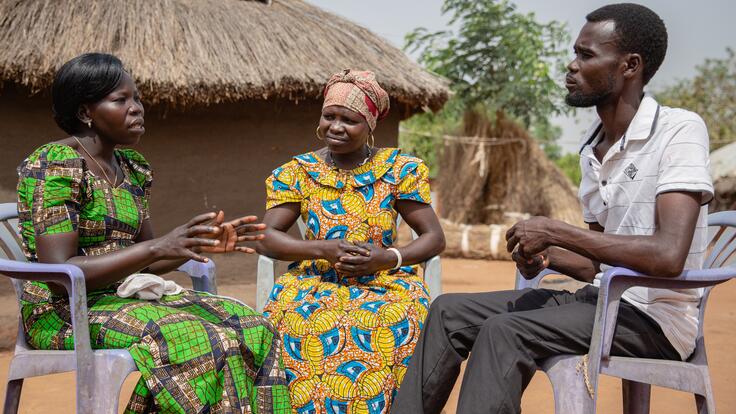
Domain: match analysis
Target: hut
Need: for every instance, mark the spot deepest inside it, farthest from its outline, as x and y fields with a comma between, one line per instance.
x=232, y=87
x=723, y=173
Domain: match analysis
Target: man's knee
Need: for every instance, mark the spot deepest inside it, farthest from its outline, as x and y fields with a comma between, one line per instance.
x=503, y=325
x=446, y=306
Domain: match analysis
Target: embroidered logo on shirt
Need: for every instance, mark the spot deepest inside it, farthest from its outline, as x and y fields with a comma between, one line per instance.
x=631, y=171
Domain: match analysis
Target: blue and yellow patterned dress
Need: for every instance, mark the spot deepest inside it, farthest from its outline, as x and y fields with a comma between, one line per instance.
x=347, y=341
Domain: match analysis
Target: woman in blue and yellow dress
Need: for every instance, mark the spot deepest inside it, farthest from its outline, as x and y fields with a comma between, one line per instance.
x=351, y=306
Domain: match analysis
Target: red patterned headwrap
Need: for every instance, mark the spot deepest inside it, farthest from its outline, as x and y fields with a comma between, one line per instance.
x=359, y=92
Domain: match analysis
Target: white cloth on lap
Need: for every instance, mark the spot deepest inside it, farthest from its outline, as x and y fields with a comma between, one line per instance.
x=147, y=286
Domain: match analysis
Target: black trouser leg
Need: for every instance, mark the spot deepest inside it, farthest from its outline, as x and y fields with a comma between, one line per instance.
x=505, y=333
x=449, y=333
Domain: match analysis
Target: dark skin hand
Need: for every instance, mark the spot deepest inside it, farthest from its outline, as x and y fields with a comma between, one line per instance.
x=118, y=119
x=610, y=79
x=352, y=260
x=346, y=134
x=662, y=254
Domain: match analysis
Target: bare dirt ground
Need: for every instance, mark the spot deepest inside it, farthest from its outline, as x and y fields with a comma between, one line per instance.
x=55, y=394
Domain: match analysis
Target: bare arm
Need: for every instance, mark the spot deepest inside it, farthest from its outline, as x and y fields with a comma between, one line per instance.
x=159, y=267
x=105, y=269
x=431, y=242
x=661, y=254
x=422, y=219
x=278, y=244
x=574, y=265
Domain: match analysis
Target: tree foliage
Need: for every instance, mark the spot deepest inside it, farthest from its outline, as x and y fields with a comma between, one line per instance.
x=712, y=94
x=498, y=57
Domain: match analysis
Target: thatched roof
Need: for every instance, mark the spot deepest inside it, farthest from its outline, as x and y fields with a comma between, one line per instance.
x=194, y=52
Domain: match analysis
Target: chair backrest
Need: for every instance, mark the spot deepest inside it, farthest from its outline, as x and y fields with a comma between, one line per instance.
x=721, y=252
x=10, y=241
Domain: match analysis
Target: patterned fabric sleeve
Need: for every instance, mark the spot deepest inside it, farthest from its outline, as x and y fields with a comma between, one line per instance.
x=413, y=177
x=142, y=176
x=50, y=192
x=283, y=185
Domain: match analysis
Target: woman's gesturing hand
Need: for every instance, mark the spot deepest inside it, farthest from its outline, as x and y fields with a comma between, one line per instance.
x=377, y=259
x=186, y=241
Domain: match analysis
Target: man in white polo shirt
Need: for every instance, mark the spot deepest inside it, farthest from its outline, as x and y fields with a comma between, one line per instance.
x=644, y=193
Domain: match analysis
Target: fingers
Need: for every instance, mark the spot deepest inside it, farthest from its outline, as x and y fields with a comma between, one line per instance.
x=251, y=238
x=352, y=248
x=243, y=220
x=354, y=260
x=202, y=229
x=198, y=241
x=219, y=218
x=347, y=269
x=510, y=232
x=200, y=219
x=194, y=256
x=512, y=242
x=249, y=228
x=244, y=249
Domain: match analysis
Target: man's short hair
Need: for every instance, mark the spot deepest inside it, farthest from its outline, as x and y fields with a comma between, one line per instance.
x=639, y=30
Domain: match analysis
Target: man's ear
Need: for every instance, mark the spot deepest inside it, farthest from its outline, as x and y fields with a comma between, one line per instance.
x=634, y=65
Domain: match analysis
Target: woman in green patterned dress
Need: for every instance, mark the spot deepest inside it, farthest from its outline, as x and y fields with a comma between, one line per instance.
x=83, y=201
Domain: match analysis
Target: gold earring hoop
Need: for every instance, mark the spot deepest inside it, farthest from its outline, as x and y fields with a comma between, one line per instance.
x=372, y=140
x=319, y=137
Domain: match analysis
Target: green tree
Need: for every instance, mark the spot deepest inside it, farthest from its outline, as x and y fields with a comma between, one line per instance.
x=570, y=165
x=712, y=94
x=497, y=59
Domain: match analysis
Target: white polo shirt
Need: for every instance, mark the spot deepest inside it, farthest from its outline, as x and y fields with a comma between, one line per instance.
x=663, y=150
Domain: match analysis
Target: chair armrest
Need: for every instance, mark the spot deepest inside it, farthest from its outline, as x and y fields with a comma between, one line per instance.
x=72, y=278
x=203, y=275
x=265, y=280
x=615, y=282
x=523, y=283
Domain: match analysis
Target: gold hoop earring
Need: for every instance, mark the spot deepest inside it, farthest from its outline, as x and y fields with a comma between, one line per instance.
x=319, y=137
x=372, y=139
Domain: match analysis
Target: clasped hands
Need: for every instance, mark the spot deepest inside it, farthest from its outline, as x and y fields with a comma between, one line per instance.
x=358, y=259
x=528, y=242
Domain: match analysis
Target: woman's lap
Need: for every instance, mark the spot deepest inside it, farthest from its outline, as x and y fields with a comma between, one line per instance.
x=347, y=343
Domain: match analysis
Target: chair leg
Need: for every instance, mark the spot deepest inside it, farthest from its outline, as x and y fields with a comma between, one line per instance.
x=636, y=397
x=12, y=396
x=705, y=404
x=571, y=394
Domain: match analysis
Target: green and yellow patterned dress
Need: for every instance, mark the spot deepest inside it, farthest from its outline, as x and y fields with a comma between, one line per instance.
x=196, y=352
x=347, y=341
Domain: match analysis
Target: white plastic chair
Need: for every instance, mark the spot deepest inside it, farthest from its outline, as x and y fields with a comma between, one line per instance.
x=267, y=272
x=638, y=374
x=100, y=373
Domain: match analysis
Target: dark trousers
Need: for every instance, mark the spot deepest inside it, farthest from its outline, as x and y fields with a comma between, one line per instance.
x=505, y=333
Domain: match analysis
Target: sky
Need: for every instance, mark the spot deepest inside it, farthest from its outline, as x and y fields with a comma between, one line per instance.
x=696, y=31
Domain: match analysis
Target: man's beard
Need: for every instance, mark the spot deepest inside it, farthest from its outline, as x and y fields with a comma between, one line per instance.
x=579, y=100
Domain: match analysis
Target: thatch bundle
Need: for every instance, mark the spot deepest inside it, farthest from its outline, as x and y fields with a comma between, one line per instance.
x=491, y=178
x=201, y=52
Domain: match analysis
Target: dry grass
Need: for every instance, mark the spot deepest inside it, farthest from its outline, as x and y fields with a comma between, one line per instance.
x=201, y=52
x=492, y=177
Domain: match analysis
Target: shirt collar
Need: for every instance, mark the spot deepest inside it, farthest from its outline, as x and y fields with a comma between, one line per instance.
x=642, y=127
